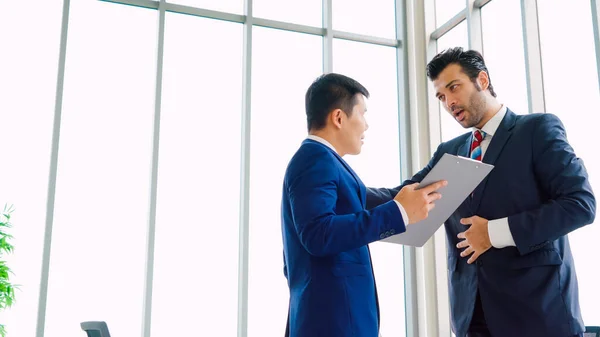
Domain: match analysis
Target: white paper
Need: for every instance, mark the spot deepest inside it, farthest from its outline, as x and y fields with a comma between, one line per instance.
x=463, y=176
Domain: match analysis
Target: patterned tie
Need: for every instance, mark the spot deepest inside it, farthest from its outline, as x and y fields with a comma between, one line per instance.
x=478, y=137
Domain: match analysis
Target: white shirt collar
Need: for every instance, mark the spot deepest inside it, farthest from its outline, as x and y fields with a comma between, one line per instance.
x=492, y=125
x=322, y=141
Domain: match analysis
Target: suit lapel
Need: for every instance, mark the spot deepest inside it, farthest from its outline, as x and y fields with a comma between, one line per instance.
x=463, y=149
x=362, y=190
x=499, y=139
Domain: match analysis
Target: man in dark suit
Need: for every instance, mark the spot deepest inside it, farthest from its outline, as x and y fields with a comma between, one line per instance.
x=511, y=272
x=325, y=226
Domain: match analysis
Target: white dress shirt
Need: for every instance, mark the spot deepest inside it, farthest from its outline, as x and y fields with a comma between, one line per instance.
x=498, y=229
x=326, y=143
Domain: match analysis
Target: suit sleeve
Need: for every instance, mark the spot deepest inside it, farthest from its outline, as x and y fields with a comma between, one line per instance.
x=378, y=196
x=561, y=177
x=313, y=197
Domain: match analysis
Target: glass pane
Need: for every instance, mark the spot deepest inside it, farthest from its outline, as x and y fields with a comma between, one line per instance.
x=280, y=78
x=457, y=37
x=571, y=86
x=228, y=6
x=378, y=164
x=199, y=177
x=375, y=17
x=504, y=53
x=98, y=240
x=305, y=12
x=27, y=94
x=447, y=9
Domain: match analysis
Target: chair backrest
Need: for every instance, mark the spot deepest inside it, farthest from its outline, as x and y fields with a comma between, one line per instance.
x=592, y=331
x=95, y=329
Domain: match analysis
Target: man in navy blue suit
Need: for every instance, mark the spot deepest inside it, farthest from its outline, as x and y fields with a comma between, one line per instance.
x=325, y=226
x=511, y=271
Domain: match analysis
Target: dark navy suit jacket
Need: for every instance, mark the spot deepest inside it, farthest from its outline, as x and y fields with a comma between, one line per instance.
x=542, y=187
x=326, y=229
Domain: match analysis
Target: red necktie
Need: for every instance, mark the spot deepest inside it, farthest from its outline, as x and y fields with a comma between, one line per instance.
x=476, y=145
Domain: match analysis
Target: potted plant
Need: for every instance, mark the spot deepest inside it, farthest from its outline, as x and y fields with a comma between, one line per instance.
x=7, y=289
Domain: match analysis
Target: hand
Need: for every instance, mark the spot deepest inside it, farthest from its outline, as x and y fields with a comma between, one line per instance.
x=418, y=203
x=476, y=238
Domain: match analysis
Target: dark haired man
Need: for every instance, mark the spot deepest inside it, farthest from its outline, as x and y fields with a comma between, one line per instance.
x=325, y=225
x=511, y=271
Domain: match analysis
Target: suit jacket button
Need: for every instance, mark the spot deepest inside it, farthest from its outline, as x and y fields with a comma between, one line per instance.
x=392, y=232
x=382, y=236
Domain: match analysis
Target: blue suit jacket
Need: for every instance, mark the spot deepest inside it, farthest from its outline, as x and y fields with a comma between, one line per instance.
x=325, y=230
x=543, y=189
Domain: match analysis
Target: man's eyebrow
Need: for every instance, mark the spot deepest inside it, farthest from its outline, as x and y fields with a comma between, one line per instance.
x=450, y=83
x=437, y=94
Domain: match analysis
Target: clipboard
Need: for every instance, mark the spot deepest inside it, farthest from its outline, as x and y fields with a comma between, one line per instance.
x=463, y=176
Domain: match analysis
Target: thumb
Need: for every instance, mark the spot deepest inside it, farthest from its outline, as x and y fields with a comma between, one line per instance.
x=412, y=186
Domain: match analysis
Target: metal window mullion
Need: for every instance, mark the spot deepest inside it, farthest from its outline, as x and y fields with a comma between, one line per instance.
x=244, y=208
x=595, y=11
x=474, y=26
x=151, y=4
x=201, y=12
x=448, y=25
x=439, y=238
x=533, y=56
x=442, y=318
x=421, y=260
x=409, y=259
x=45, y=273
x=480, y=3
x=287, y=26
x=325, y=31
x=436, y=255
x=328, y=37
x=151, y=234
x=366, y=39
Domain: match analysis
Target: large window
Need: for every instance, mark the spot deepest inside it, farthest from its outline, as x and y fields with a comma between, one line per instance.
x=280, y=79
x=457, y=37
x=504, y=54
x=571, y=93
x=446, y=9
x=307, y=12
x=100, y=216
x=559, y=76
x=197, y=217
x=378, y=164
x=28, y=67
x=375, y=17
x=159, y=200
x=231, y=6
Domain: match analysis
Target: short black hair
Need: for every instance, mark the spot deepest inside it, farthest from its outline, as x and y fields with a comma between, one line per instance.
x=471, y=62
x=327, y=93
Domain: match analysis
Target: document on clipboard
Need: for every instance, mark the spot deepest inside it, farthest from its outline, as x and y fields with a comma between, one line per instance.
x=463, y=176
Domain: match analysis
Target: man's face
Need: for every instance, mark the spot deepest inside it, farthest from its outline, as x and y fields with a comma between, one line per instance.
x=462, y=98
x=354, y=127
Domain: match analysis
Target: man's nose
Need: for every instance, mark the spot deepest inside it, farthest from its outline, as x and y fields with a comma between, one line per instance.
x=450, y=103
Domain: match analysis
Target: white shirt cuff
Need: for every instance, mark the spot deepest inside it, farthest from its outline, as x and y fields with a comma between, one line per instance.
x=499, y=232
x=403, y=212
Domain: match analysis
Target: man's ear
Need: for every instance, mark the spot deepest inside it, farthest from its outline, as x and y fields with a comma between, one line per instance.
x=483, y=80
x=336, y=117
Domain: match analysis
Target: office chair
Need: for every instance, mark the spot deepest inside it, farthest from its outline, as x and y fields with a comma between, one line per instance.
x=95, y=329
x=592, y=331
